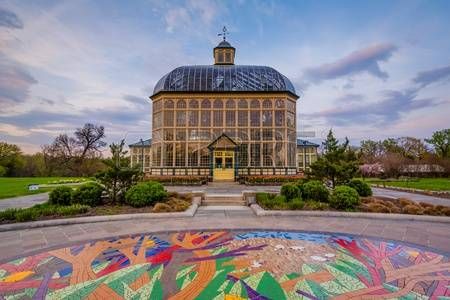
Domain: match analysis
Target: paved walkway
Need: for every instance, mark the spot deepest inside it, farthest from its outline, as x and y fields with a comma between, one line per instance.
x=23, y=201
x=19, y=242
x=412, y=196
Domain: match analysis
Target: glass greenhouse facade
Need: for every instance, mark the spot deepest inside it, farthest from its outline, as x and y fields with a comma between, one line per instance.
x=223, y=121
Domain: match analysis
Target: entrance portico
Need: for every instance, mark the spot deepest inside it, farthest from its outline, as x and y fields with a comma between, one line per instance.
x=223, y=162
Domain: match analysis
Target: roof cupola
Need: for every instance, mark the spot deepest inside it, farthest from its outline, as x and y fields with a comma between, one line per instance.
x=224, y=53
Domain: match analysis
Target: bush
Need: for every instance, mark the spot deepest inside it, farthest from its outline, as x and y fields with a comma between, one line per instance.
x=28, y=214
x=279, y=202
x=378, y=208
x=315, y=205
x=178, y=204
x=296, y=204
x=147, y=193
x=61, y=195
x=71, y=210
x=8, y=215
x=88, y=194
x=290, y=191
x=405, y=202
x=344, y=197
x=413, y=209
x=162, y=207
x=361, y=187
x=315, y=190
x=268, y=179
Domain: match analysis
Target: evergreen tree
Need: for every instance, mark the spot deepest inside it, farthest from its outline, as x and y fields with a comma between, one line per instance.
x=119, y=176
x=338, y=163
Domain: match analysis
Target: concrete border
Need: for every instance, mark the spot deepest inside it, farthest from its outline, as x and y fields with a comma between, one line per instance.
x=188, y=213
x=260, y=212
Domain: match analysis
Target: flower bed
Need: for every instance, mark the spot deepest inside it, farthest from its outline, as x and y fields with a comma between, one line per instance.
x=179, y=180
x=268, y=179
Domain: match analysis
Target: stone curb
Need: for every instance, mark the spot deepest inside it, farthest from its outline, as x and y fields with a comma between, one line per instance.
x=260, y=212
x=188, y=213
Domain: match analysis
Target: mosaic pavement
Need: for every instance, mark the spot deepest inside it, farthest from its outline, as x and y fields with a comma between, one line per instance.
x=230, y=265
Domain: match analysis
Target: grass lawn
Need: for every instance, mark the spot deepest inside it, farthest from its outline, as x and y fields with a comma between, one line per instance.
x=429, y=184
x=18, y=186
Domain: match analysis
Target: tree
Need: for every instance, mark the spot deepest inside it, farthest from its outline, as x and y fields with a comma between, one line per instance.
x=10, y=158
x=441, y=142
x=75, y=153
x=119, y=176
x=338, y=163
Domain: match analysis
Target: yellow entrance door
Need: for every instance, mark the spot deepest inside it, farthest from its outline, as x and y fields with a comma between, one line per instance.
x=223, y=165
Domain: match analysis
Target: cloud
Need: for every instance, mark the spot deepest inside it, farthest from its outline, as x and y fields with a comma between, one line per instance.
x=360, y=61
x=428, y=77
x=13, y=130
x=390, y=109
x=9, y=19
x=15, y=82
x=177, y=17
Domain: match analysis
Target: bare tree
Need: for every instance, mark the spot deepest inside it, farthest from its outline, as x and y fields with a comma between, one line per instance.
x=73, y=152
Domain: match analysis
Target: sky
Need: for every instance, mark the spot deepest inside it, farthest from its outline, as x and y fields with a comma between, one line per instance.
x=366, y=69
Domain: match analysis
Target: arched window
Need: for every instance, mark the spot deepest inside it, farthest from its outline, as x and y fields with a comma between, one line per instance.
x=206, y=103
x=267, y=103
x=242, y=104
x=254, y=104
x=230, y=104
x=279, y=103
x=218, y=103
x=181, y=104
x=168, y=104
x=193, y=104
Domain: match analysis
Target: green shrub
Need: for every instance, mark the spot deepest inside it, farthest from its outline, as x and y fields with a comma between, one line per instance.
x=315, y=205
x=315, y=190
x=345, y=198
x=296, y=204
x=8, y=215
x=290, y=191
x=61, y=195
x=361, y=187
x=88, y=194
x=71, y=210
x=279, y=202
x=147, y=193
x=28, y=214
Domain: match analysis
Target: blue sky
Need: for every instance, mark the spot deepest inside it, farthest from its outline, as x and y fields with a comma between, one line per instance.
x=367, y=69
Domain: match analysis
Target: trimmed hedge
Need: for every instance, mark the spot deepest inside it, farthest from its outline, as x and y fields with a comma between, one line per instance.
x=145, y=194
x=361, y=187
x=315, y=190
x=344, y=198
x=41, y=210
x=88, y=194
x=290, y=191
x=61, y=195
x=268, y=179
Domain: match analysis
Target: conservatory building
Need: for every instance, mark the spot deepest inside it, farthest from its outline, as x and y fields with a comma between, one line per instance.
x=223, y=120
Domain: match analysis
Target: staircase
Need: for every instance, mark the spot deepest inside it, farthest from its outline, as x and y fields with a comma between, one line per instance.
x=224, y=200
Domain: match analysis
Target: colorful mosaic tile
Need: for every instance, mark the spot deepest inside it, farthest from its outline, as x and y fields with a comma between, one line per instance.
x=232, y=266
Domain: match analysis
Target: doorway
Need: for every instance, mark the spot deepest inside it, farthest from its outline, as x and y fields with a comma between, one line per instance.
x=223, y=169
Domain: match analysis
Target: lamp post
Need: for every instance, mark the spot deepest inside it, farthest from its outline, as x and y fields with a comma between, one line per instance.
x=142, y=155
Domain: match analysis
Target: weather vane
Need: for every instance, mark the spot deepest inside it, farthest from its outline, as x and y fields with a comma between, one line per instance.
x=224, y=33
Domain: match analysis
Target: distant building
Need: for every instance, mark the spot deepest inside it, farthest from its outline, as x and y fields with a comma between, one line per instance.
x=141, y=154
x=306, y=154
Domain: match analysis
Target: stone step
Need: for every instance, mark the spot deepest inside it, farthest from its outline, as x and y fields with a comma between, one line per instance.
x=224, y=200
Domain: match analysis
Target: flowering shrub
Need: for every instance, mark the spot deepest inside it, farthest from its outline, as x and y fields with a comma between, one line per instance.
x=269, y=179
x=371, y=170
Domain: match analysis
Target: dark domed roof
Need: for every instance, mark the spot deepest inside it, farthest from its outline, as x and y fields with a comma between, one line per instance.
x=224, y=44
x=224, y=78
